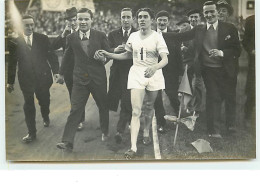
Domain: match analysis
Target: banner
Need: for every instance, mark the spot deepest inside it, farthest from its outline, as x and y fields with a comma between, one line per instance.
x=62, y=5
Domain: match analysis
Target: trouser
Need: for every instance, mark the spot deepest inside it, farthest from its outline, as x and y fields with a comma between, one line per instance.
x=69, y=83
x=250, y=88
x=43, y=97
x=126, y=107
x=171, y=89
x=159, y=110
x=218, y=88
x=79, y=98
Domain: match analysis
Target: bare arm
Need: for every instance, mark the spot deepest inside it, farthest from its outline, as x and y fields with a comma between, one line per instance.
x=122, y=56
x=149, y=72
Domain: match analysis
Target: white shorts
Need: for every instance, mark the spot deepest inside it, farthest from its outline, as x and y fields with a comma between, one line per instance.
x=136, y=79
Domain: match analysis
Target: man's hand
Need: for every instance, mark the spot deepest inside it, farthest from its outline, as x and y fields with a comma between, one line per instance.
x=10, y=87
x=66, y=31
x=100, y=56
x=215, y=53
x=120, y=49
x=149, y=72
x=59, y=79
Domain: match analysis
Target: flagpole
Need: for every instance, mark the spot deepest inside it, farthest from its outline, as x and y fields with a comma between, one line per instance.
x=177, y=126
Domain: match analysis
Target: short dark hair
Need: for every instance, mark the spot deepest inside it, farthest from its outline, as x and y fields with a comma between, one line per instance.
x=86, y=10
x=149, y=10
x=162, y=13
x=209, y=3
x=27, y=16
x=127, y=9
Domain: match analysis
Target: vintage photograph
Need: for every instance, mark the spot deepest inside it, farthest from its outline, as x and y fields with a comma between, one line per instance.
x=121, y=80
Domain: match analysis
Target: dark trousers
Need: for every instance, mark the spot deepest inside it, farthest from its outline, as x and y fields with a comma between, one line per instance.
x=69, y=83
x=79, y=98
x=218, y=88
x=126, y=107
x=250, y=88
x=171, y=89
x=159, y=110
x=43, y=97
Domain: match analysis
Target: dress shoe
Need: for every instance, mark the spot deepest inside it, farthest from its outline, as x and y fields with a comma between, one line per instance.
x=161, y=129
x=215, y=136
x=80, y=127
x=118, y=138
x=65, y=146
x=29, y=138
x=104, y=137
x=46, y=122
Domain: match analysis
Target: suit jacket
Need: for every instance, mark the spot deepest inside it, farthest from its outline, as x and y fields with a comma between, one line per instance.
x=249, y=36
x=33, y=67
x=86, y=68
x=58, y=43
x=228, y=42
x=118, y=70
x=174, y=66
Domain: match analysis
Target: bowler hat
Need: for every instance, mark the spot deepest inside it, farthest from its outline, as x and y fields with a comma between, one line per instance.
x=223, y=3
x=71, y=12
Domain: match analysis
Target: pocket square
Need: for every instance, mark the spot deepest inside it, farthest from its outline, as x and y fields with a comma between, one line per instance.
x=227, y=37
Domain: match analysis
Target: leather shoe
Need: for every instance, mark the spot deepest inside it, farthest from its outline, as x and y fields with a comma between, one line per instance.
x=80, y=127
x=46, y=122
x=118, y=138
x=215, y=136
x=29, y=138
x=65, y=146
x=104, y=137
x=161, y=129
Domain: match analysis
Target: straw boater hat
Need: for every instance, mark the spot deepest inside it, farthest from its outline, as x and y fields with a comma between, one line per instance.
x=223, y=3
x=71, y=12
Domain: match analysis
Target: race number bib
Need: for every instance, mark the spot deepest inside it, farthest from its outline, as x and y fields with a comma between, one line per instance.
x=141, y=54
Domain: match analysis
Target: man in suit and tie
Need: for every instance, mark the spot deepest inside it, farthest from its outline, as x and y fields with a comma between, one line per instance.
x=119, y=73
x=171, y=72
x=60, y=42
x=89, y=76
x=31, y=51
x=217, y=50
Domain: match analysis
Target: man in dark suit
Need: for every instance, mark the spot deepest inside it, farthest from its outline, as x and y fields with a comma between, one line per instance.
x=31, y=51
x=216, y=59
x=188, y=53
x=171, y=72
x=89, y=76
x=60, y=42
x=249, y=45
x=119, y=73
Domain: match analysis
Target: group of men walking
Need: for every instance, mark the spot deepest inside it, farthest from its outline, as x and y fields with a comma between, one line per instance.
x=211, y=52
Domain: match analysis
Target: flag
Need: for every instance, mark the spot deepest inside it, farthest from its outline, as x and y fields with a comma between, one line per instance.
x=62, y=5
x=185, y=90
x=202, y=146
x=189, y=122
x=15, y=17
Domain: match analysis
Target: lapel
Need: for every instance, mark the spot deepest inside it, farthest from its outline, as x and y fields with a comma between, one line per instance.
x=92, y=41
x=22, y=43
x=221, y=34
x=200, y=37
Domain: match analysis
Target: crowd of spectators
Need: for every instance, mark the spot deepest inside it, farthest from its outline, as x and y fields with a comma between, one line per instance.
x=53, y=23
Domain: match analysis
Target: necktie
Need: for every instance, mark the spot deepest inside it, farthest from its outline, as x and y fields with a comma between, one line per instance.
x=84, y=37
x=125, y=36
x=211, y=27
x=29, y=42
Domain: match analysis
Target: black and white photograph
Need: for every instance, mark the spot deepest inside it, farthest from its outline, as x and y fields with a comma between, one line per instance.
x=123, y=81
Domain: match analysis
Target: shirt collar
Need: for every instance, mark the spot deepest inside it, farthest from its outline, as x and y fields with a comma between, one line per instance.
x=25, y=38
x=215, y=25
x=162, y=31
x=129, y=31
x=81, y=34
